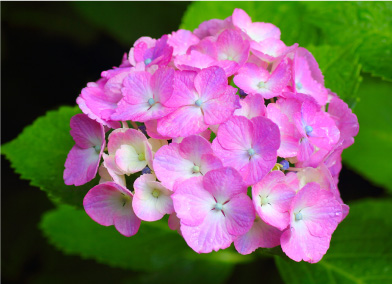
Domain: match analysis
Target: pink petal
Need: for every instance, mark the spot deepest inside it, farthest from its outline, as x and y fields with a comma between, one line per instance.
x=110, y=204
x=81, y=165
x=86, y=132
x=147, y=206
x=236, y=134
x=224, y=184
x=210, y=83
x=170, y=166
x=252, y=106
x=185, y=121
x=240, y=214
x=192, y=202
x=209, y=235
x=219, y=110
x=260, y=235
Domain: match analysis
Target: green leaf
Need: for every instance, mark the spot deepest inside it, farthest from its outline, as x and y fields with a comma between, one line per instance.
x=38, y=154
x=289, y=17
x=367, y=24
x=127, y=21
x=154, y=248
x=341, y=70
x=371, y=154
x=360, y=251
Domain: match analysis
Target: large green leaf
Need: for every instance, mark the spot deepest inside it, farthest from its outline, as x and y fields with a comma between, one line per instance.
x=289, y=17
x=360, y=251
x=367, y=24
x=39, y=153
x=371, y=154
x=154, y=248
x=341, y=70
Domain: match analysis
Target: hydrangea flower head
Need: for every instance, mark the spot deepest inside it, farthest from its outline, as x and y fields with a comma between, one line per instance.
x=233, y=135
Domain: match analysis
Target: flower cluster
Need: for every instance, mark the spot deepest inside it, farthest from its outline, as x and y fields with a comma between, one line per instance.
x=233, y=134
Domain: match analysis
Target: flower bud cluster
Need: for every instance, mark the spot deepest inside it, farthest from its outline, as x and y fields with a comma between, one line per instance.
x=233, y=134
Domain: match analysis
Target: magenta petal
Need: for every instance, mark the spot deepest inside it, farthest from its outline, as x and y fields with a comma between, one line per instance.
x=110, y=204
x=260, y=235
x=86, y=132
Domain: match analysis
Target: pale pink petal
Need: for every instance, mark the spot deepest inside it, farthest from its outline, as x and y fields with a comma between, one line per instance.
x=239, y=213
x=194, y=147
x=192, y=202
x=209, y=235
x=300, y=245
x=219, y=110
x=162, y=84
x=81, y=165
x=110, y=204
x=260, y=235
x=223, y=184
x=209, y=162
x=151, y=200
x=128, y=160
x=181, y=40
x=252, y=106
x=183, y=122
x=170, y=166
x=236, y=134
x=151, y=128
x=210, y=83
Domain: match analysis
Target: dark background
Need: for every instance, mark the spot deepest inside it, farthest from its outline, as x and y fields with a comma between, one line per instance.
x=49, y=51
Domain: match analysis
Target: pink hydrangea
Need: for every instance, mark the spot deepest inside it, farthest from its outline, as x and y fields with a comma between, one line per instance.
x=212, y=112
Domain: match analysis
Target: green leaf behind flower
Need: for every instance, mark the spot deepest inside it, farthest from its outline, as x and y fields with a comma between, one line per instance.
x=371, y=154
x=341, y=69
x=38, y=154
x=289, y=17
x=360, y=251
x=155, y=248
x=367, y=24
